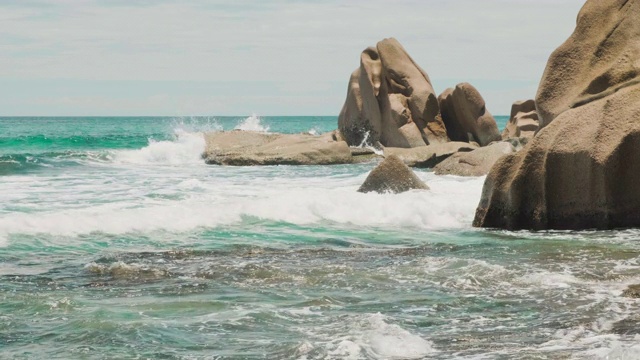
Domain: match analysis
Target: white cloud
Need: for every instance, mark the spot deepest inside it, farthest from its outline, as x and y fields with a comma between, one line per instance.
x=294, y=44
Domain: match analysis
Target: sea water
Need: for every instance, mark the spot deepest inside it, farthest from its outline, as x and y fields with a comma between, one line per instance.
x=118, y=242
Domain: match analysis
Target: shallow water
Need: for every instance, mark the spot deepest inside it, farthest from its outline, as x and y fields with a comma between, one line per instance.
x=117, y=242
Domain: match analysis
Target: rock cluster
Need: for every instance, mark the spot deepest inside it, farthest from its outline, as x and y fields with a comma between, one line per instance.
x=580, y=170
x=390, y=100
x=391, y=103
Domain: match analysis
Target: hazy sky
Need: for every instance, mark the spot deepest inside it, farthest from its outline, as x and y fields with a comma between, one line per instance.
x=270, y=57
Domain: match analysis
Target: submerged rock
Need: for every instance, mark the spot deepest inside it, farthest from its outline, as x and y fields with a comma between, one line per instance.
x=580, y=170
x=633, y=291
x=466, y=117
x=475, y=163
x=523, y=122
x=392, y=176
x=428, y=156
x=253, y=148
x=390, y=99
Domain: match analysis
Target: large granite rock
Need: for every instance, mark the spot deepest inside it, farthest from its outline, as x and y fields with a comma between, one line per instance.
x=392, y=176
x=254, y=148
x=523, y=122
x=580, y=170
x=466, y=117
x=428, y=156
x=390, y=100
x=599, y=58
x=475, y=163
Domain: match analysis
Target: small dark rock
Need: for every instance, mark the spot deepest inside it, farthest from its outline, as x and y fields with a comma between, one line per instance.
x=392, y=176
x=632, y=291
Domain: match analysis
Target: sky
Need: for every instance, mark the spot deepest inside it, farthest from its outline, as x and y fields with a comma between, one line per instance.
x=268, y=57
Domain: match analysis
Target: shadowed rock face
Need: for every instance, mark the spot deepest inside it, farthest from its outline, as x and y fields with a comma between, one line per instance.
x=580, y=170
x=390, y=99
x=466, y=117
x=392, y=176
x=475, y=163
x=523, y=122
x=428, y=156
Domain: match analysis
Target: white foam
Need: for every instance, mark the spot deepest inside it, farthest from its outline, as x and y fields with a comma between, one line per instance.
x=389, y=341
x=252, y=123
x=346, y=349
x=545, y=279
x=371, y=336
x=619, y=351
x=192, y=197
x=187, y=147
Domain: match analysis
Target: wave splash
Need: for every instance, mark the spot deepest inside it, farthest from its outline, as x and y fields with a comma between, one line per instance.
x=185, y=148
x=252, y=123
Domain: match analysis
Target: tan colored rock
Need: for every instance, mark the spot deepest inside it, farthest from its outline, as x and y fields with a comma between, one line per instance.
x=523, y=122
x=633, y=291
x=580, y=171
x=475, y=163
x=455, y=132
x=601, y=57
x=360, y=118
x=466, y=117
x=253, y=148
x=392, y=176
x=390, y=99
x=428, y=156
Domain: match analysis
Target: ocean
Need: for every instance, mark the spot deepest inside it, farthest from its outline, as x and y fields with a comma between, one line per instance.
x=118, y=242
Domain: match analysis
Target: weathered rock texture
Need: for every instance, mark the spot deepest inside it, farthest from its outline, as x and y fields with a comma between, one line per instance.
x=581, y=170
x=601, y=57
x=428, y=156
x=523, y=122
x=390, y=99
x=466, y=117
x=392, y=176
x=475, y=163
x=254, y=148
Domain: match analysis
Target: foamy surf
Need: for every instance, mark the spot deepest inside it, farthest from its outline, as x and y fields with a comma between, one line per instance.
x=126, y=238
x=186, y=148
x=181, y=204
x=252, y=123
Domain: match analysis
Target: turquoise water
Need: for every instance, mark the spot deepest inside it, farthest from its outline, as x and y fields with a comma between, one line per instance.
x=118, y=242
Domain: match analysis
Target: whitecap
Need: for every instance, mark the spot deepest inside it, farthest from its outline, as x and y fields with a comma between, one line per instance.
x=252, y=123
x=186, y=148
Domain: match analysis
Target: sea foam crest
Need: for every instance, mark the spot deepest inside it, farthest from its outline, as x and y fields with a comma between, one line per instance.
x=210, y=200
x=252, y=123
x=185, y=148
x=378, y=339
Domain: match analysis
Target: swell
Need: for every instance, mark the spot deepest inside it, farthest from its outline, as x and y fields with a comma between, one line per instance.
x=44, y=143
x=23, y=163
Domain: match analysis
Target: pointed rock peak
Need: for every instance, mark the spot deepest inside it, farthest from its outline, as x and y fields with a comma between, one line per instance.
x=392, y=176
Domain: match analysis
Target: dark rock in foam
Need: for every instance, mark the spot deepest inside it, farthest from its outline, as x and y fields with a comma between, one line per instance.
x=392, y=176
